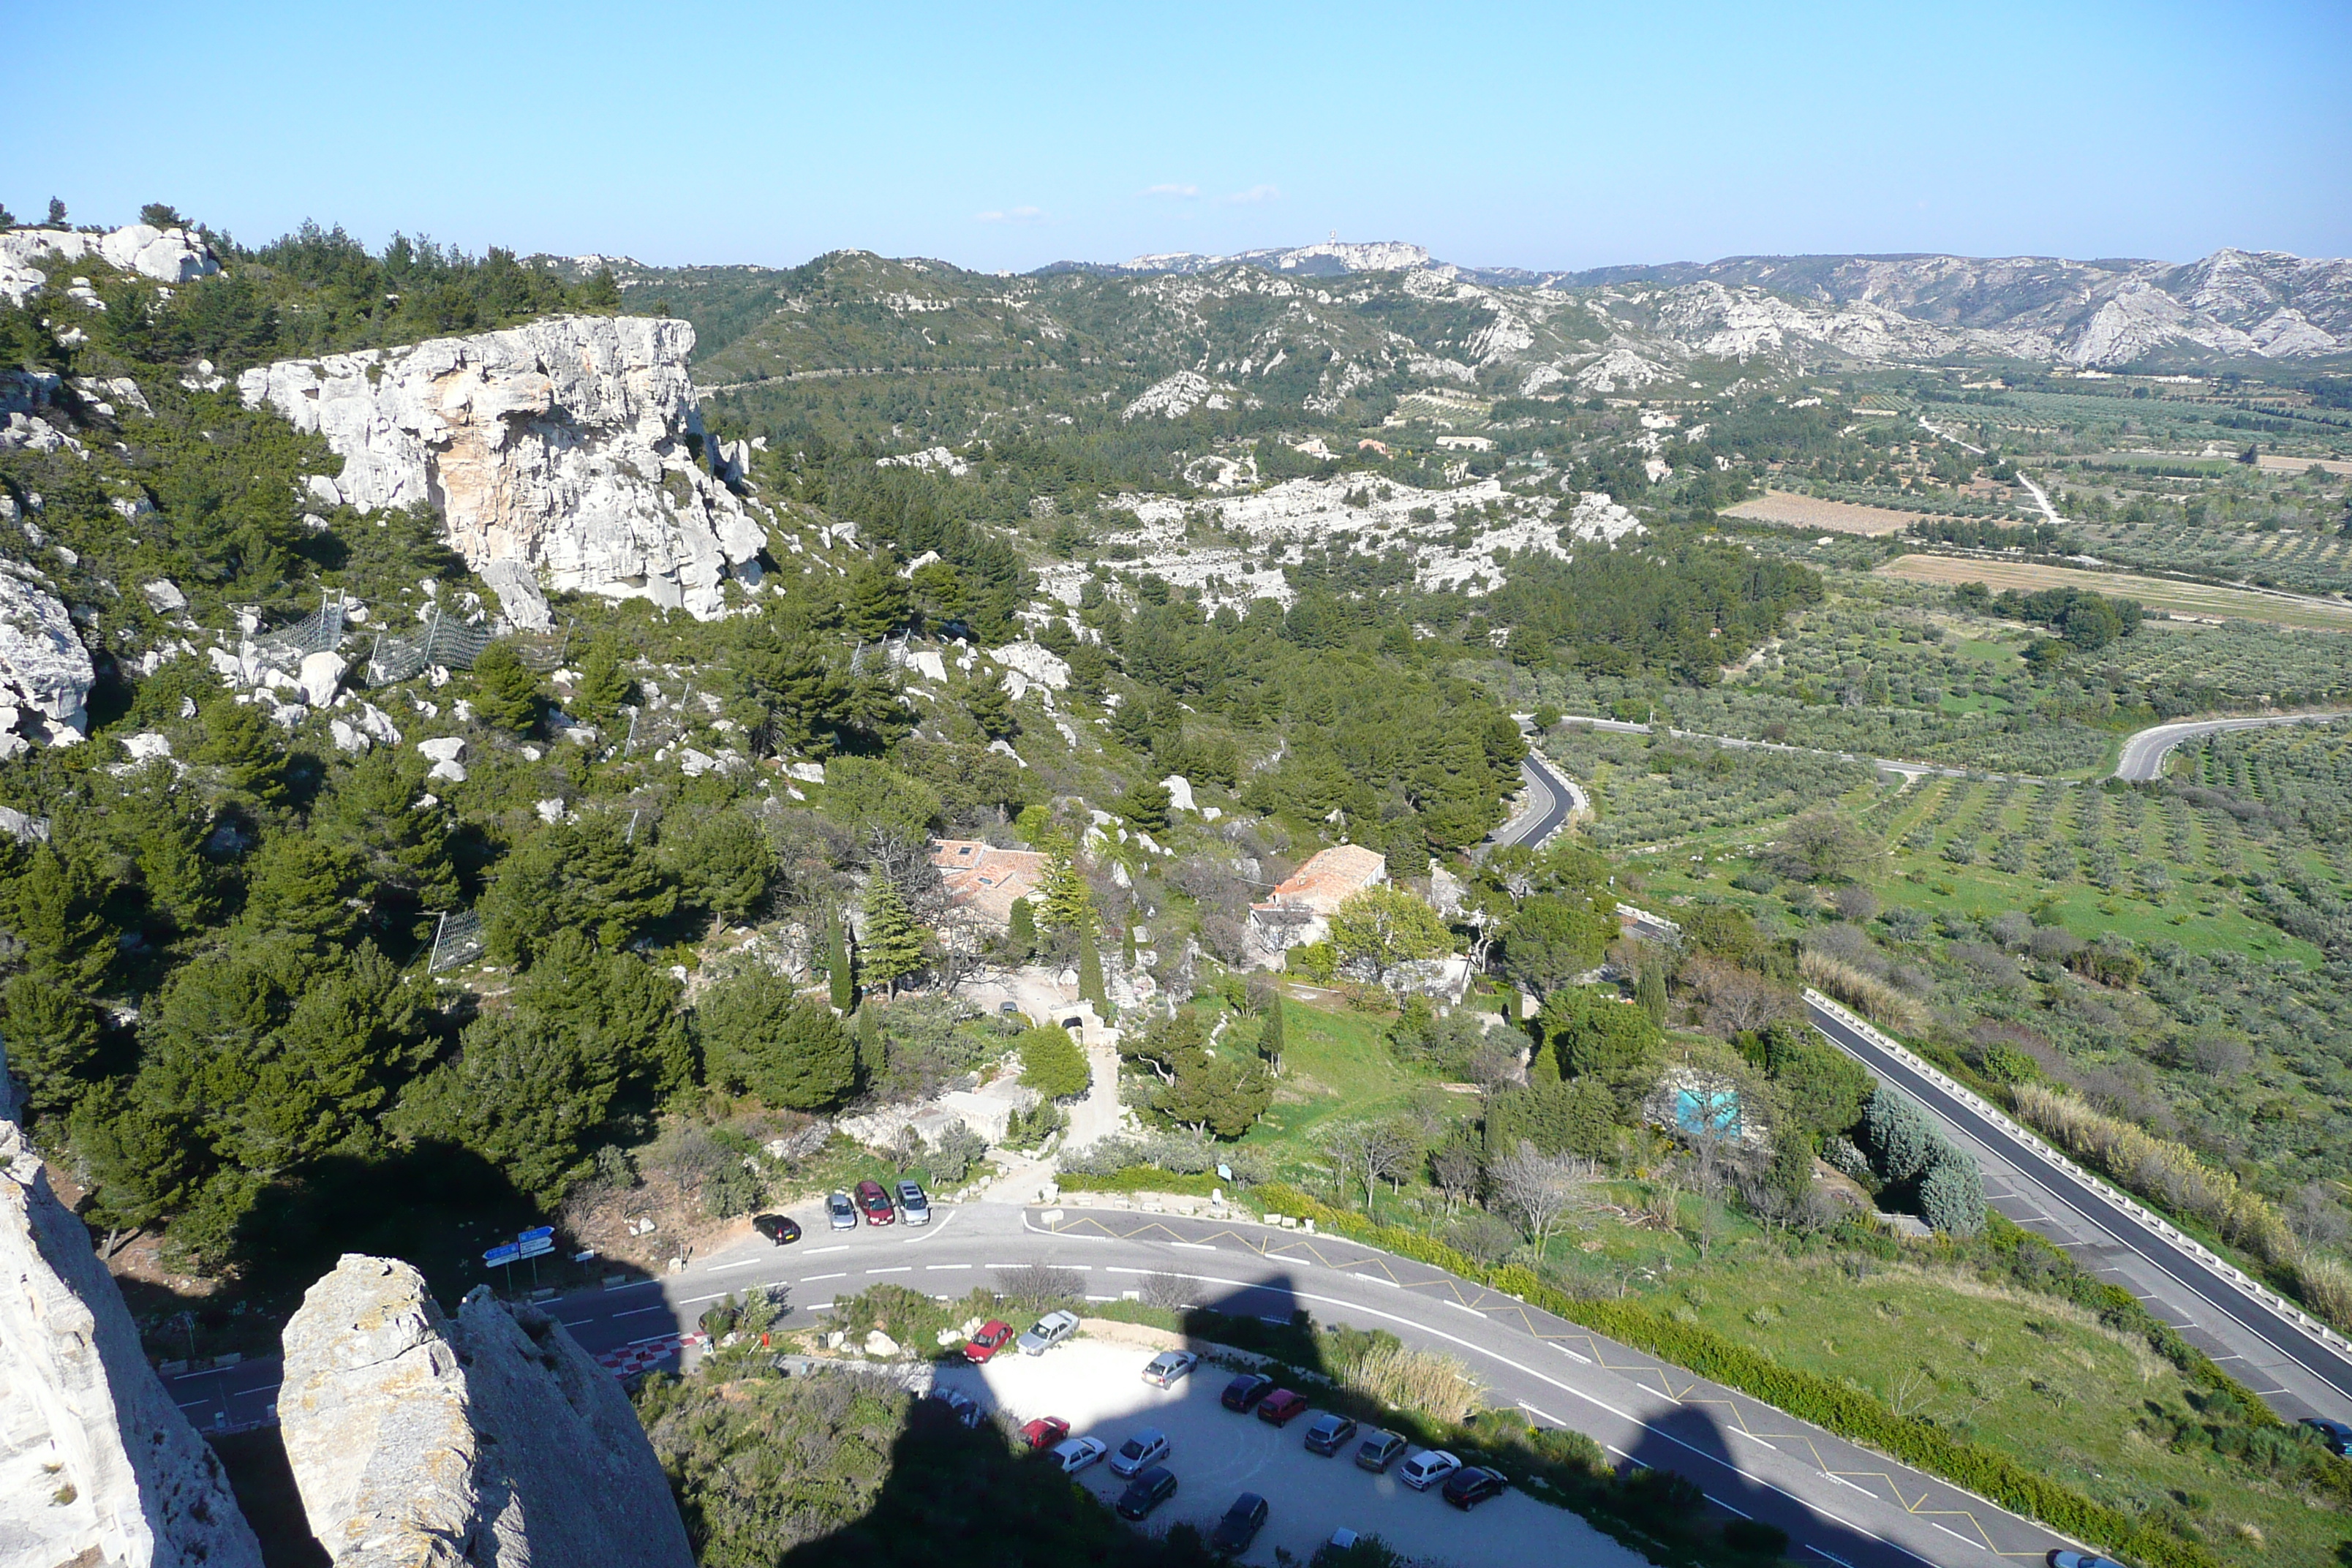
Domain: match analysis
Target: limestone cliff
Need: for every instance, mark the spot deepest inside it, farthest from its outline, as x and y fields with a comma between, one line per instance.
x=417, y=1442
x=96, y=1465
x=570, y=444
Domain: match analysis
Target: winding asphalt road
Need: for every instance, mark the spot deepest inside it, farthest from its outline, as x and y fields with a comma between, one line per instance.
x=2144, y=753
x=2300, y=1368
x=1552, y=799
x=1840, y=1503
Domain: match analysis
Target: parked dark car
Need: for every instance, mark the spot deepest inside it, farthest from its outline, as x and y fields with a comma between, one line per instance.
x=1240, y=1526
x=1242, y=1395
x=1380, y=1450
x=1147, y=1491
x=1467, y=1487
x=1329, y=1433
x=1281, y=1407
x=781, y=1229
x=875, y=1204
x=2336, y=1433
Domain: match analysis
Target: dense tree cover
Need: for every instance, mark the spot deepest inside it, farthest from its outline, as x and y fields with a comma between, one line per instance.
x=1683, y=609
x=2087, y=620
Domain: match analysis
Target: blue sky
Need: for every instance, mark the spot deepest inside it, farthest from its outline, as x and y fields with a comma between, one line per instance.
x=1011, y=135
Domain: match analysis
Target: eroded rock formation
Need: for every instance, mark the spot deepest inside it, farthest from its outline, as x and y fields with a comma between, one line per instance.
x=571, y=446
x=96, y=1465
x=417, y=1442
x=45, y=671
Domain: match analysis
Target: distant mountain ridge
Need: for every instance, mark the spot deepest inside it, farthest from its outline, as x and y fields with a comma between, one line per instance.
x=2095, y=314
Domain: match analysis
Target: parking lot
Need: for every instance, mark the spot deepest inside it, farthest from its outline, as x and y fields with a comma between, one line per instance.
x=1097, y=1388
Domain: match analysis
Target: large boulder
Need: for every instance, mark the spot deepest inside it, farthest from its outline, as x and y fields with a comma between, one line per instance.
x=166, y=255
x=568, y=446
x=495, y=1439
x=45, y=671
x=97, y=1463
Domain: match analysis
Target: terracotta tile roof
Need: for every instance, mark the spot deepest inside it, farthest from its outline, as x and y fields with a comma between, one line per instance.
x=1325, y=882
x=985, y=879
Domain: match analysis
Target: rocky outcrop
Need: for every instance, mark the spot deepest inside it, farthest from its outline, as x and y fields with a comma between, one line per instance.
x=45, y=671
x=96, y=1465
x=419, y=1442
x=166, y=255
x=568, y=445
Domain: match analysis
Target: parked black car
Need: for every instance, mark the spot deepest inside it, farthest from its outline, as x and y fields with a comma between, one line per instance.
x=1468, y=1486
x=1242, y=1395
x=1147, y=1491
x=1240, y=1526
x=781, y=1229
x=2336, y=1433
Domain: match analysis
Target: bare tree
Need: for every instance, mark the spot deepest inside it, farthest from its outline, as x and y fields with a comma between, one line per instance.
x=1388, y=1151
x=1455, y=1166
x=1039, y=1283
x=1540, y=1191
x=1168, y=1292
x=1733, y=1000
x=1343, y=1145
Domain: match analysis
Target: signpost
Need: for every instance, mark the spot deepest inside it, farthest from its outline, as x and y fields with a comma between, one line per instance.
x=532, y=1245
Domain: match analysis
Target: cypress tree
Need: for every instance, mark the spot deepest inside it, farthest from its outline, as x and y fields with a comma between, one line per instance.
x=836, y=963
x=894, y=943
x=1091, y=974
x=1650, y=991
x=1021, y=931
x=1271, y=1039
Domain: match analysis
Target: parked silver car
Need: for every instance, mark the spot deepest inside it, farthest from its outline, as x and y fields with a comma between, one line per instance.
x=840, y=1213
x=913, y=1208
x=1046, y=1333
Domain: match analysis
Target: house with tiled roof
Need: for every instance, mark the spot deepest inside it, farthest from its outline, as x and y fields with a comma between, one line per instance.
x=985, y=880
x=1301, y=907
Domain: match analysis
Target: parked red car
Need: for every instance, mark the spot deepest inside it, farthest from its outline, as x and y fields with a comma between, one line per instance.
x=994, y=1336
x=1044, y=1433
x=875, y=1204
x=1278, y=1407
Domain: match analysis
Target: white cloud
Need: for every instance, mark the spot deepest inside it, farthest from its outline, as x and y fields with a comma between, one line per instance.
x=1187, y=192
x=1015, y=215
x=1254, y=195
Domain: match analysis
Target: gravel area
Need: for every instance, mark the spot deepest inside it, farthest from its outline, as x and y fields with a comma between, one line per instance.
x=1098, y=1389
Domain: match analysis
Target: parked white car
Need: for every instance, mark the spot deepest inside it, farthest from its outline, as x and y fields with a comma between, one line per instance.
x=1428, y=1468
x=1075, y=1454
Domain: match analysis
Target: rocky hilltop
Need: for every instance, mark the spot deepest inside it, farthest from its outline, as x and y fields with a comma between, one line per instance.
x=492, y=1441
x=96, y=1465
x=572, y=447
x=165, y=255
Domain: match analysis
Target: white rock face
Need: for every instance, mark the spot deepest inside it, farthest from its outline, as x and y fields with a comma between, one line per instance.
x=45, y=671
x=447, y=748
x=417, y=1442
x=517, y=587
x=166, y=255
x=1035, y=661
x=82, y=1415
x=560, y=446
x=1180, y=792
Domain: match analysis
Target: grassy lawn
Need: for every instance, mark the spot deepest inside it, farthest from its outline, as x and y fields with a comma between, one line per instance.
x=2038, y=1378
x=1337, y=1066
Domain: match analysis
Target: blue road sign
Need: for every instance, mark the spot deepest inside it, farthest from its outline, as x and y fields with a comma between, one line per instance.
x=541, y=1234
x=498, y=1254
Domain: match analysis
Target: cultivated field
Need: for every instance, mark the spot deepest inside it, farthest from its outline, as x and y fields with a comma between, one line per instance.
x=2196, y=599
x=1829, y=516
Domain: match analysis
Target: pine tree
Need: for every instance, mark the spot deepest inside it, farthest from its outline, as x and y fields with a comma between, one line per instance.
x=991, y=708
x=603, y=681
x=873, y=601
x=506, y=693
x=893, y=945
x=836, y=963
x=1069, y=902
